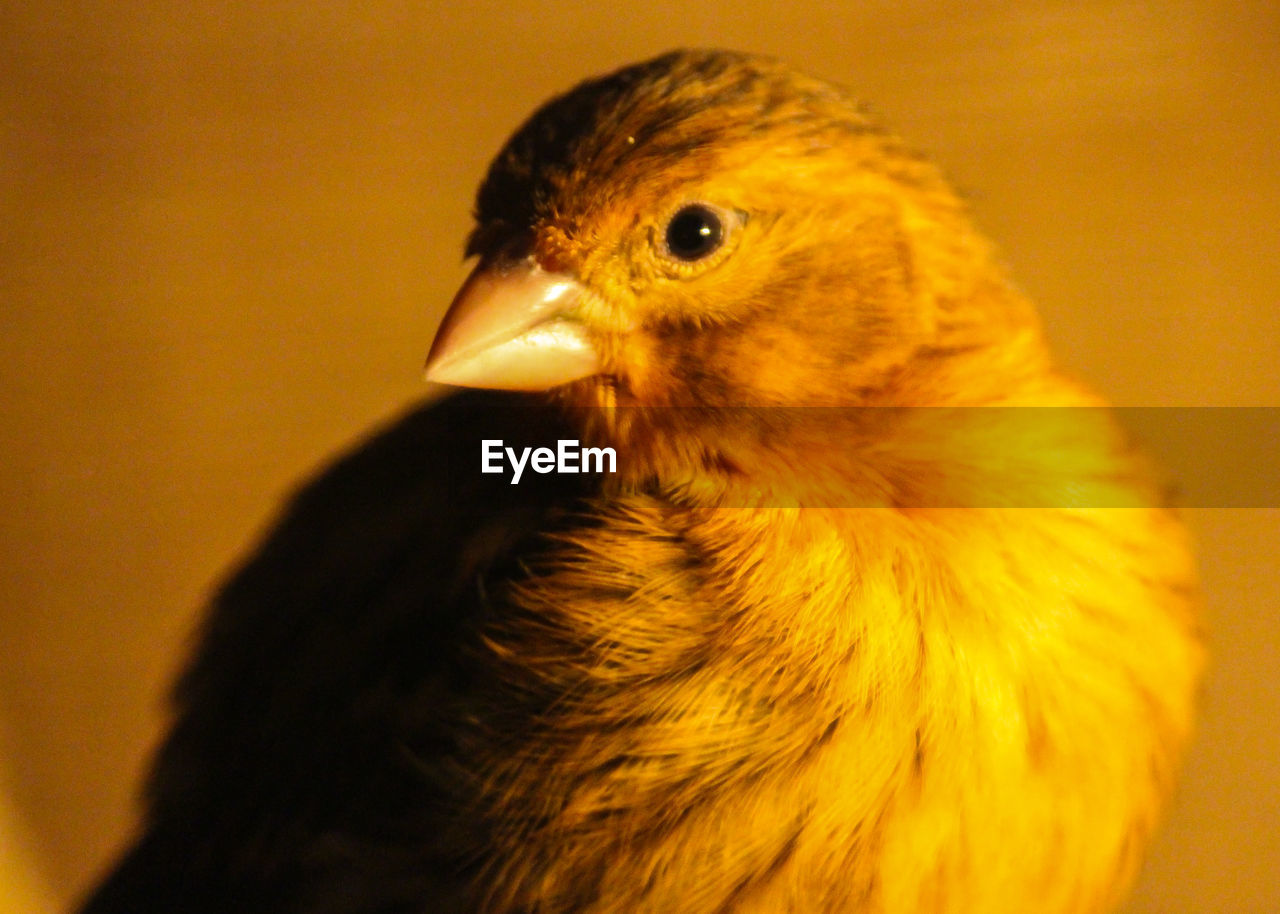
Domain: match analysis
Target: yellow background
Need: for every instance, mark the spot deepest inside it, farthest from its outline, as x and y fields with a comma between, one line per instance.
x=227, y=231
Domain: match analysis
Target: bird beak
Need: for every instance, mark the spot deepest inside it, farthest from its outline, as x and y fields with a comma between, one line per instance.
x=510, y=327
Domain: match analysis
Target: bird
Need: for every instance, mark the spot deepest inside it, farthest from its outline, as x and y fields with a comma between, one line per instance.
x=878, y=611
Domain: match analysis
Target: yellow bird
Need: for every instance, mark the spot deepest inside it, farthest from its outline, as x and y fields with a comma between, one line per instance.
x=874, y=611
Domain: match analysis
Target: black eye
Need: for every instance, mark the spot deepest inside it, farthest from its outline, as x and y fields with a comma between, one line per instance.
x=694, y=232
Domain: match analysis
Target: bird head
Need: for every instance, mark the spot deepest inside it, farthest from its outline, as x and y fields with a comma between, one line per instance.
x=710, y=229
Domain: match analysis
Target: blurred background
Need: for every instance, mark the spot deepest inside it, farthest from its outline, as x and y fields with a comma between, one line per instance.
x=227, y=231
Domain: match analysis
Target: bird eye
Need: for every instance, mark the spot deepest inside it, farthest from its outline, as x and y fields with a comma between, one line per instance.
x=694, y=232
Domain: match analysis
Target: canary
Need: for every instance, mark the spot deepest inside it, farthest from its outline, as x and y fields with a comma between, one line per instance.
x=870, y=609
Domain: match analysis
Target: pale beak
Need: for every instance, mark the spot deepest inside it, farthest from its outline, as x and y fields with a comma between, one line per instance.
x=511, y=327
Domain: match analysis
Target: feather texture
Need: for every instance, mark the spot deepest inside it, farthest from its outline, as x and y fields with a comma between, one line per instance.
x=880, y=613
